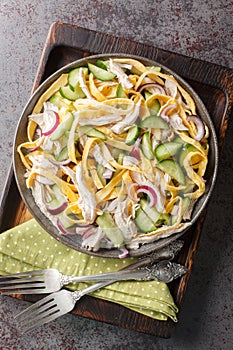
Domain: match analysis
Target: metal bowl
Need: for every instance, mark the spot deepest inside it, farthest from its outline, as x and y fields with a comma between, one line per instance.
x=75, y=241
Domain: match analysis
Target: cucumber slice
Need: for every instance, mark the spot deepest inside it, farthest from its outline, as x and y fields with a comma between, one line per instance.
x=179, y=140
x=173, y=169
x=186, y=203
x=92, y=132
x=63, y=155
x=59, y=101
x=100, y=170
x=184, y=152
x=167, y=150
x=132, y=135
x=120, y=92
x=73, y=77
x=154, y=106
x=71, y=95
x=64, y=126
x=147, y=146
x=101, y=64
x=108, y=225
x=121, y=158
x=143, y=222
x=100, y=73
x=154, y=122
x=152, y=213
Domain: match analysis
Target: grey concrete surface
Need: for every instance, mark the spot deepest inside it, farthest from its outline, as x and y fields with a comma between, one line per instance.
x=201, y=29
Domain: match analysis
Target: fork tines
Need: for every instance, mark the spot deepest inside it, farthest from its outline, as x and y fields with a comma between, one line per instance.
x=15, y=282
x=43, y=311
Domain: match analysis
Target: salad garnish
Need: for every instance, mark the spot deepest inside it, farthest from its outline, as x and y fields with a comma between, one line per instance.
x=116, y=153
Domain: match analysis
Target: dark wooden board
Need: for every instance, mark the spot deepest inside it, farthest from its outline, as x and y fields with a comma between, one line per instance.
x=214, y=84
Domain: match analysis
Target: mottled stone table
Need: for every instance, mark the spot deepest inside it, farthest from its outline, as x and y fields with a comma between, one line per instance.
x=195, y=28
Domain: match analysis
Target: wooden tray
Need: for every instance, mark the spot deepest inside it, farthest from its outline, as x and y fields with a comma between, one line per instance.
x=66, y=43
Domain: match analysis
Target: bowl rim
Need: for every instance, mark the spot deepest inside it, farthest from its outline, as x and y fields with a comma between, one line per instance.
x=35, y=210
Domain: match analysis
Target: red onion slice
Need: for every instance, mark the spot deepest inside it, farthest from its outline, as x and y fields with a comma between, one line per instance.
x=134, y=151
x=124, y=253
x=57, y=210
x=199, y=125
x=88, y=232
x=163, y=114
x=55, y=117
x=150, y=192
x=152, y=85
x=64, y=230
x=107, y=174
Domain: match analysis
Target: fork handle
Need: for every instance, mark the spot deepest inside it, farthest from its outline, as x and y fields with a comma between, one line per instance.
x=164, y=271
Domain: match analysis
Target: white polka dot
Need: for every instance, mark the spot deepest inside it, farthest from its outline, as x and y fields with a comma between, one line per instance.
x=148, y=295
x=39, y=251
x=72, y=257
x=161, y=298
x=55, y=245
x=148, y=301
x=104, y=261
x=13, y=264
x=20, y=250
x=34, y=225
x=150, y=285
x=152, y=312
x=51, y=256
x=39, y=233
x=59, y=253
x=156, y=291
x=56, y=263
x=161, y=305
x=15, y=243
x=8, y=245
x=27, y=228
x=12, y=253
x=116, y=265
x=23, y=239
x=47, y=248
x=43, y=240
x=36, y=263
x=4, y=237
x=19, y=231
x=64, y=260
x=35, y=244
x=27, y=247
x=96, y=264
x=136, y=299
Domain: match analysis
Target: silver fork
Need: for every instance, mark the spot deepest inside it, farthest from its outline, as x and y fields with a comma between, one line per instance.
x=51, y=280
x=62, y=302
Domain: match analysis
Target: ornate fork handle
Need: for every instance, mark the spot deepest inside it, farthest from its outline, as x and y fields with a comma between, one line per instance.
x=164, y=271
x=136, y=271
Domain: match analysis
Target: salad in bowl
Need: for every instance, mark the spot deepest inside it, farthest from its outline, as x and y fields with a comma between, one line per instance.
x=116, y=153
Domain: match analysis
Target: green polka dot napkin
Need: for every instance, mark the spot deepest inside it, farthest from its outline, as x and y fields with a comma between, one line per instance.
x=28, y=247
